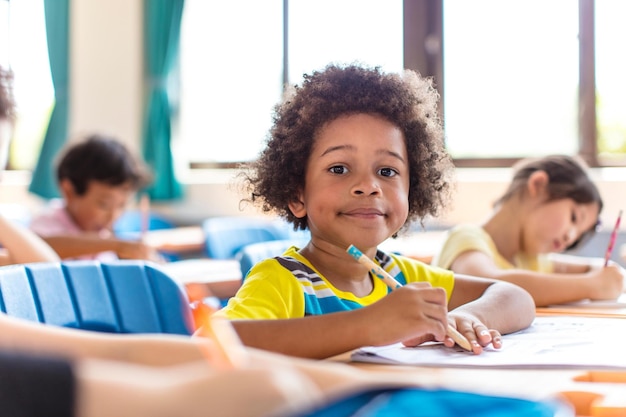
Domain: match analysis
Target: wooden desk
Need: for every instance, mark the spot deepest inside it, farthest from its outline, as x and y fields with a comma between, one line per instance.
x=589, y=392
x=220, y=277
x=176, y=240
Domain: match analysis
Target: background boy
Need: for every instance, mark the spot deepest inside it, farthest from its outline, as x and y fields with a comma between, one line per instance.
x=96, y=177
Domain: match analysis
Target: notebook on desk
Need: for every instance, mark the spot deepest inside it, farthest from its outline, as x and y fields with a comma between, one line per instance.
x=551, y=342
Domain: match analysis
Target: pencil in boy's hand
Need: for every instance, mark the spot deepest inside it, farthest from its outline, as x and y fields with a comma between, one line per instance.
x=609, y=249
x=458, y=338
x=373, y=267
x=391, y=282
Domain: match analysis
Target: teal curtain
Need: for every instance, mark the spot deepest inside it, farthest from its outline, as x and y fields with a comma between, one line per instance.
x=161, y=40
x=57, y=13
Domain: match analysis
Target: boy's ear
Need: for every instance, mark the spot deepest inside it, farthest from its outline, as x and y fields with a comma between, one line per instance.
x=538, y=183
x=67, y=189
x=297, y=207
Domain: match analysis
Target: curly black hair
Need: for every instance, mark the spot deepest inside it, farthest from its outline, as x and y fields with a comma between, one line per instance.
x=407, y=100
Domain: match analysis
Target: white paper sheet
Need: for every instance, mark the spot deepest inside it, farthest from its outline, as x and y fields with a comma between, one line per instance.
x=558, y=342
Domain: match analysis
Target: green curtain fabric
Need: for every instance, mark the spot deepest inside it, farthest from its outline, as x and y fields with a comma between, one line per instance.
x=57, y=14
x=161, y=40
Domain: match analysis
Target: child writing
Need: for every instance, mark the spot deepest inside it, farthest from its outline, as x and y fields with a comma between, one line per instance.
x=18, y=243
x=550, y=205
x=353, y=156
x=90, y=374
x=96, y=177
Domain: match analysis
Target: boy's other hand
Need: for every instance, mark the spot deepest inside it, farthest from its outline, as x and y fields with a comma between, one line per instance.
x=138, y=250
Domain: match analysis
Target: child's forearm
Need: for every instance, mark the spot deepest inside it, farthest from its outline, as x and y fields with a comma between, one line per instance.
x=22, y=245
x=503, y=306
x=555, y=288
x=156, y=350
x=315, y=337
x=194, y=390
x=569, y=264
x=79, y=245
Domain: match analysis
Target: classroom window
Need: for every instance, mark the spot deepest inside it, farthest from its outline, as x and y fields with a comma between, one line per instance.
x=517, y=78
x=510, y=77
x=232, y=59
x=368, y=31
x=24, y=50
x=231, y=74
x=610, y=81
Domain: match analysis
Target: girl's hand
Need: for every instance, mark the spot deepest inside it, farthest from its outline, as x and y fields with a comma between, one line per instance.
x=607, y=283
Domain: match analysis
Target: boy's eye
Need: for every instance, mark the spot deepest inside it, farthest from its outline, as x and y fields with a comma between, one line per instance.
x=387, y=172
x=574, y=218
x=338, y=169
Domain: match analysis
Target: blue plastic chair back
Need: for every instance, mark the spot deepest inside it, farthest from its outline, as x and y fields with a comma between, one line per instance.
x=225, y=236
x=131, y=222
x=251, y=254
x=129, y=226
x=118, y=297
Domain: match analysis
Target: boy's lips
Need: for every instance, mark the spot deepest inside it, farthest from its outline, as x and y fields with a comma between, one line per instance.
x=363, y=212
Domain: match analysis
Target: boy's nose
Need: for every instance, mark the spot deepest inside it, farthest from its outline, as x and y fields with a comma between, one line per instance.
x=366, y=186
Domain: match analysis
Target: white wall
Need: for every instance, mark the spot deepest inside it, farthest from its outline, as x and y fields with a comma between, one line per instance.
x=477, y=189
x=106, y=69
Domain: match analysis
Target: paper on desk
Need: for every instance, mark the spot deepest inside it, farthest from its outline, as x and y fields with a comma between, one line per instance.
x=558, y=342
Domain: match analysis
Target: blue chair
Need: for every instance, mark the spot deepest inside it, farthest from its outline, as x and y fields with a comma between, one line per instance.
x=129, y=226
x=131, y=222
x=251, y=254
x=117, y=297
x=225, y=236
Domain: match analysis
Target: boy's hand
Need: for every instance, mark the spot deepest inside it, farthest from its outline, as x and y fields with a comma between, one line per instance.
x=474, y=331
x=471, y=328
x=137, y=250
x=416, y=313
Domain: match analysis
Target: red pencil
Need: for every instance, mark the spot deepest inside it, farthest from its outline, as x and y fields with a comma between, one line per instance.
x=609, y=250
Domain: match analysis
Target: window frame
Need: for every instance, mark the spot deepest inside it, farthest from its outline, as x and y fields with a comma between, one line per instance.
x=428, y=15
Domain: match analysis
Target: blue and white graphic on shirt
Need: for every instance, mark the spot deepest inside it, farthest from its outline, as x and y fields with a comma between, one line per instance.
x=321, y=299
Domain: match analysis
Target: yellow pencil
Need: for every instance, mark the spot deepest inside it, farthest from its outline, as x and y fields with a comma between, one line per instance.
x=391, y=282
